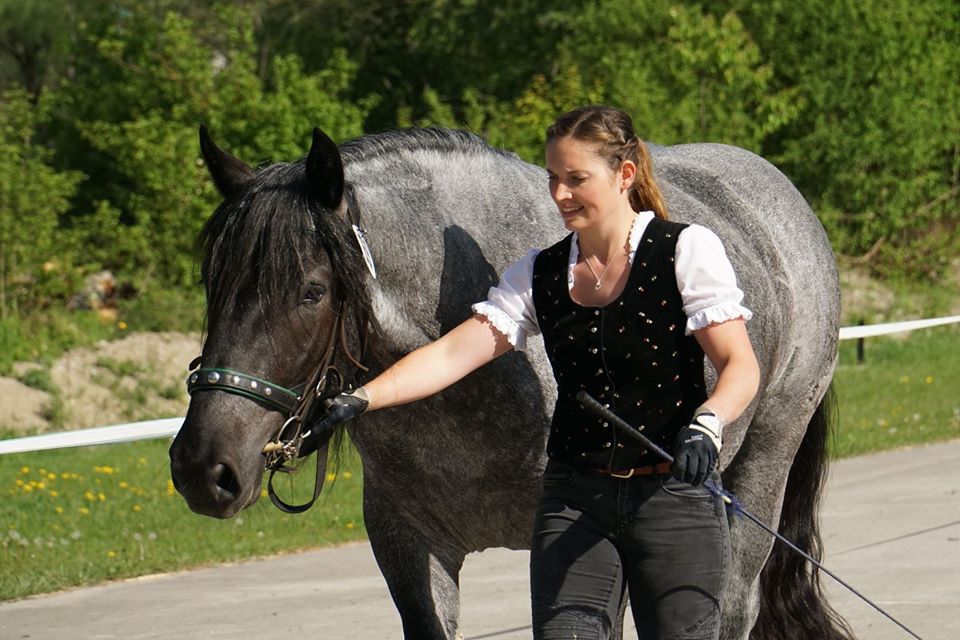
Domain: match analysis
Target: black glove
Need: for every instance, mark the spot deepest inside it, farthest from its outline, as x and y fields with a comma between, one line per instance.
x=340, y=408
x=697, y=448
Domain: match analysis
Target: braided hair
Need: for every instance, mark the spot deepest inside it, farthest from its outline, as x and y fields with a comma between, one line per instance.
x=612, y=131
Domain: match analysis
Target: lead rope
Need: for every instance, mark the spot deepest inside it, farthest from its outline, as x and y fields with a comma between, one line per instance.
x=728, y=498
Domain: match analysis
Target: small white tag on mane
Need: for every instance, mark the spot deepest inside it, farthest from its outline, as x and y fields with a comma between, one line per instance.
x=365, y=249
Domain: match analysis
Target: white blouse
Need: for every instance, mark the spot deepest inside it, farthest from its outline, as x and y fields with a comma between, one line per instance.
x=705, y=280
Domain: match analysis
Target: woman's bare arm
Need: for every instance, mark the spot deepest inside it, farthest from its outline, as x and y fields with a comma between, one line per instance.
x=437, y=365
x=738, y=374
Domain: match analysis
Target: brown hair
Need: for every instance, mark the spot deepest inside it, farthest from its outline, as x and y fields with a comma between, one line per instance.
x=612, y=130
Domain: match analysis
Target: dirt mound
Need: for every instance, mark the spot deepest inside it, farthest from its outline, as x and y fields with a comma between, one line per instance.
x=136, y=378
x=22, y=408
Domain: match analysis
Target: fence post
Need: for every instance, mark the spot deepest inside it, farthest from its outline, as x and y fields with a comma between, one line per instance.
x=860, y=345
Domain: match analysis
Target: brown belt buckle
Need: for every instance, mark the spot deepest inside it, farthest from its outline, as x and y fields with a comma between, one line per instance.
x=623, y=476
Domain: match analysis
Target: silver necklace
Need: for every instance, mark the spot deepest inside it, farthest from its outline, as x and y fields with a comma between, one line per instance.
x=597, y=286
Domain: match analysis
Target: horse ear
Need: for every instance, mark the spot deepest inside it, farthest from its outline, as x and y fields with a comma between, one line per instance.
x=325, y=170
x=229, y=174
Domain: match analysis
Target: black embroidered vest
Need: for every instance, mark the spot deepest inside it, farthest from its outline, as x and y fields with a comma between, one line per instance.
x=630, y=355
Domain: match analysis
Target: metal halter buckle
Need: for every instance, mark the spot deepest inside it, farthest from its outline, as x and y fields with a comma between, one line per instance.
x=623, y=476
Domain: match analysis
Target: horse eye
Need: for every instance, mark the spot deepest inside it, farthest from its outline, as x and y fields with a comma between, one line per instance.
x=314, y=294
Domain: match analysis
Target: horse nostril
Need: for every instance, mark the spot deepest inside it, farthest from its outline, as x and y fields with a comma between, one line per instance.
x=226, y=481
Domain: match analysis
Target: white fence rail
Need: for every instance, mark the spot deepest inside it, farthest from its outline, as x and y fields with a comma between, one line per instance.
x=168, y=427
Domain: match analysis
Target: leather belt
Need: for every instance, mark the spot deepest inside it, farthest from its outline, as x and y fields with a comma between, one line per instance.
x=650, y=470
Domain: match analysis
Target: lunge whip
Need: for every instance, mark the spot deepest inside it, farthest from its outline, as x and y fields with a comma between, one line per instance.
x=728, y=498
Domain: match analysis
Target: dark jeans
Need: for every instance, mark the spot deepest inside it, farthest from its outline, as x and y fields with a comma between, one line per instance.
x=595, y=536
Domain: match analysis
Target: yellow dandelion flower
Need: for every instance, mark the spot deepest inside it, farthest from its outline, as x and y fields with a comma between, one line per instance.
x=137, y=508
x=928, y=379
x=24, y=470
x=122, y=325
x=19, y=482
x=89, y=495
x=170, y=489
x=58, y=509
x=141, y=461
x=124, y=484
x=350, y=525
x=64, y=476
x=41, y=486
x=51, y=476
x=85, y=511
x=331, y=477
x=27, y=488
x=33, y=484
x=111, y=554
x=101, y=497
x=263, y=493
x=54, y=494
x=347, y=475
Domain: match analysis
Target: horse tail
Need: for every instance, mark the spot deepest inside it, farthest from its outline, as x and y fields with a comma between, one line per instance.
x=792, y=602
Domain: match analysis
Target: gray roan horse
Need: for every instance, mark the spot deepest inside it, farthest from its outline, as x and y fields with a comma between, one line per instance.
x=444, y=213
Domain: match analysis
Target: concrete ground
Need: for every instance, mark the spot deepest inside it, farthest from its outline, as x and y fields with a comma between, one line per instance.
x=891, y=524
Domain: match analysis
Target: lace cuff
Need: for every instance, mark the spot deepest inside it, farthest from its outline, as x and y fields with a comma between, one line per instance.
x=716, y=314
x=503, y=323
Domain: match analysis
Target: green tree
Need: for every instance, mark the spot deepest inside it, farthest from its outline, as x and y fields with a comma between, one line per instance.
x=875, y=144
x=132, y=112
x=32, y=198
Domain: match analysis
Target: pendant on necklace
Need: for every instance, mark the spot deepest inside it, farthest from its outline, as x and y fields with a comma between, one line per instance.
x=596, y=287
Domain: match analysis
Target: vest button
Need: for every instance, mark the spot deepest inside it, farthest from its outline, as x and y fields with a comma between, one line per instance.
x=593, y=329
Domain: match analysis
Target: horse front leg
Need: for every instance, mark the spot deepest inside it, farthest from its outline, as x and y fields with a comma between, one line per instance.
x=423, y=575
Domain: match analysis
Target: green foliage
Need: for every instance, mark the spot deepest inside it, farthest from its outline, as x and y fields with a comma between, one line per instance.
x=857, y=101
x=32, y=198
x=166, y=79
x=38, y=378
x=875, y=145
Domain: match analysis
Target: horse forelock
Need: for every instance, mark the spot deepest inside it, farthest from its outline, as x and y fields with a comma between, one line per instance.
x=264, y=240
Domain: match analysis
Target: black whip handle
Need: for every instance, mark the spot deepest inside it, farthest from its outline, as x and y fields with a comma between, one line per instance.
x=588, y=402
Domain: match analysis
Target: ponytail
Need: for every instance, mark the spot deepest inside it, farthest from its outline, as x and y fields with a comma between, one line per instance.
x=644, y=192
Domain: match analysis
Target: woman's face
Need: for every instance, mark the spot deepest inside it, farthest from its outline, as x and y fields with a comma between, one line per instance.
x=586, y=190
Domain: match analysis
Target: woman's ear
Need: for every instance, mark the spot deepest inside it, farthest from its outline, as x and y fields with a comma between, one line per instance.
x=628, y=174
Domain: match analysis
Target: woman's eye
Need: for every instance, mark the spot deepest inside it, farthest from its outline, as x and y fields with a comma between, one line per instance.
x=314, y=294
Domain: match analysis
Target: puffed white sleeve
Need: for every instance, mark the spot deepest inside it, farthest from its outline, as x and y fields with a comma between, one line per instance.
x=509, y=305
x=705, y=278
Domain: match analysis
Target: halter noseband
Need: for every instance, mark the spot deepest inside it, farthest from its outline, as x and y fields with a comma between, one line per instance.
x=296, y=405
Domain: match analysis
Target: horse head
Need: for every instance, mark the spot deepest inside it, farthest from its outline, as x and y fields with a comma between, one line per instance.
x=286, y=291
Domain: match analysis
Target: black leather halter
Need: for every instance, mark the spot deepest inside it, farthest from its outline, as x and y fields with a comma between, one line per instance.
x=296, y=404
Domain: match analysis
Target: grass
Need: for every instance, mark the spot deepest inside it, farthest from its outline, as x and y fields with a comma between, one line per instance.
x=905, y=393
x=81, y=516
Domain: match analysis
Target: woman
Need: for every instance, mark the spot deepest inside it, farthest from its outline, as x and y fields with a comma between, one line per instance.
x=628, y=304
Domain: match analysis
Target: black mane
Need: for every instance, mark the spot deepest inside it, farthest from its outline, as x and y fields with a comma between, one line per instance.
x=265, y=238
